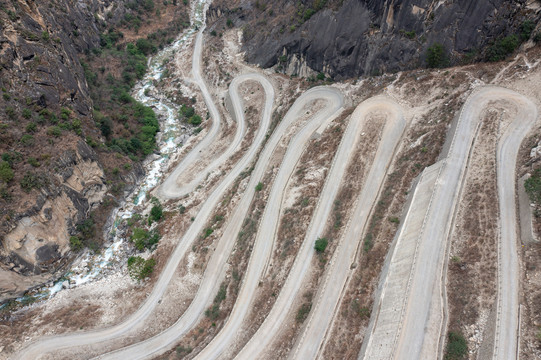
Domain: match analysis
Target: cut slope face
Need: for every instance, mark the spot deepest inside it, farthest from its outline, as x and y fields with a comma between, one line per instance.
x=421, y=309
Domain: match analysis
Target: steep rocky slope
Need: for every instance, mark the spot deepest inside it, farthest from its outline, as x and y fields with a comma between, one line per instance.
x=349, y=38
x=58, y=165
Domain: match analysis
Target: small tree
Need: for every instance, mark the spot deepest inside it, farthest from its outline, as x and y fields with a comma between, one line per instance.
x=6, y=174
x=195, y=120
x=321, y=245
x=435, y=56
x=139, y=268
x=76, y=243
x=259, y=186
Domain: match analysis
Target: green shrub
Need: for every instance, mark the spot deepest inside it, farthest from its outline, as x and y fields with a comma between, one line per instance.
x=308, y=13
x=76, y=244
x=394, y=220
x=65, y=114
x=4, y=193
x=76, y=125
x=526, y=29
x=435, y=56
x=27, y=140
x=45, y=36
x=321, y=245
x=321, y=76
x=139, y=268
x=502, y=48
x=195, y=120
x=537, y=37
x=10, y=112
x=214, y=311
x=259, y=186
x=34, y=162
x=145, y=46
x=409, y=34
x=31, y=127
x=220, y=296
x=156, y=213
x=457, y=347
x=208, y=232
x=27, y=114
x=32, y=181
x=229, y=23
x=303, y=312
x=533, y=186
x=6, y=174
x=144, y=239
x=54, y=131
x=368, y=242
x=187, y=111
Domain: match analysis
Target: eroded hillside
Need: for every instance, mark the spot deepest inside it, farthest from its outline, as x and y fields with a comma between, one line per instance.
x=71, y=136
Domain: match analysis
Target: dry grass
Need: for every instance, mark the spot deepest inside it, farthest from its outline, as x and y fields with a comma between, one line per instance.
x=347, y=334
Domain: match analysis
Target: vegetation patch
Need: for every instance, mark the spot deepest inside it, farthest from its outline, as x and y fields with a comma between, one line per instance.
x=213, y=312
x=144, y=239
x=436, y=56
x=533, y=187
x=457, y=347
x=302, y=312
x=139, y=268
x=321, y=245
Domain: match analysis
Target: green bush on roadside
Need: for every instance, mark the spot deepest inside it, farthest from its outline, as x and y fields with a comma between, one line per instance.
x=321, y=245
x=457, y=347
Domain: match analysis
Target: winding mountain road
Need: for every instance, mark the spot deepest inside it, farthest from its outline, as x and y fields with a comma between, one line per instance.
x=412, y=324
x=270, y=220
x=507, y=321
x=329, y=295
x=214, y=272
x=170, y=188
x=273, y=323
x=419, y=319
x=134, y=323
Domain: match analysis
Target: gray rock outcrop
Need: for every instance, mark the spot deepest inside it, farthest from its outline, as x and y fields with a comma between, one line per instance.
x=368, y=37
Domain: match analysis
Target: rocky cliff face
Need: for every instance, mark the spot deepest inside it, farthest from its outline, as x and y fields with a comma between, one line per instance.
x=40, y=240
x=351, y=38
x=50, y=179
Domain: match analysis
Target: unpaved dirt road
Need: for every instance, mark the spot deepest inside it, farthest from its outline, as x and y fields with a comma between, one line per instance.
x=507, y=321
x=344, y=156
x=214, y=271
x=420, y=317
x=170, y=189
x=421, y=314
x=134, y=323
x=329, y=295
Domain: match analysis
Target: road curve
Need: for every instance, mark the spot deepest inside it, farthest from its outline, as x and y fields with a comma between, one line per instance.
x=170, y=189
x=421, y=315
x=214, y=271
x=273, y=323
x=328, y=296
x=270, y=219
x=507, y=321
x=134, y=323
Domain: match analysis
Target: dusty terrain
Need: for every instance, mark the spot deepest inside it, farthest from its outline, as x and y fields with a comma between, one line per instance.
x=430, y=101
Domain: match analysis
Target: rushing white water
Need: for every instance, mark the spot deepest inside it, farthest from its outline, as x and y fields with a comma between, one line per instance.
x=91, y=266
